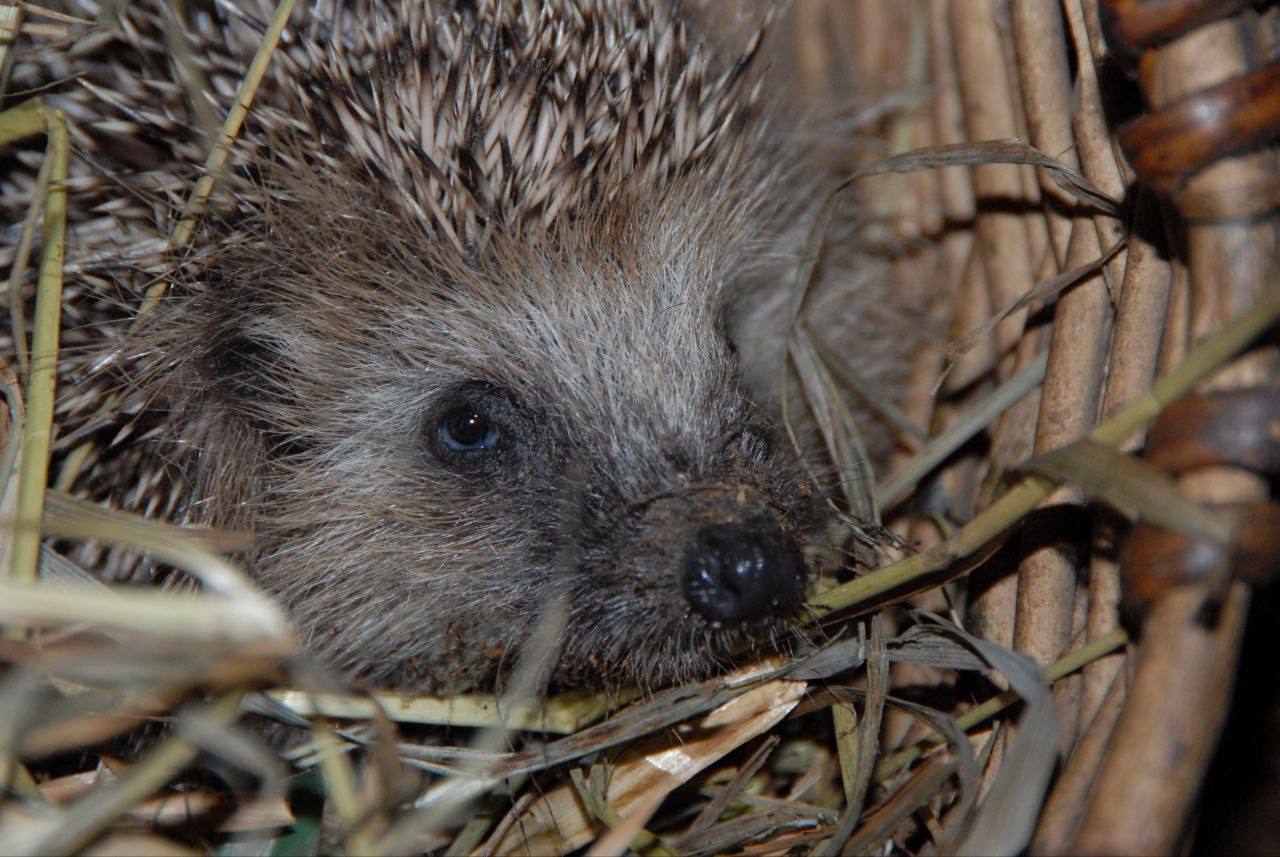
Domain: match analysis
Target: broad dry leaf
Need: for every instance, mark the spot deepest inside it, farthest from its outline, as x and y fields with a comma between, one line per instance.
x=1006, y=818
x=558, y=823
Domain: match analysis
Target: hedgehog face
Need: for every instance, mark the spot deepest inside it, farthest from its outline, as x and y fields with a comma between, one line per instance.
x=667, y=548
x=619, y=463
x=555, y=424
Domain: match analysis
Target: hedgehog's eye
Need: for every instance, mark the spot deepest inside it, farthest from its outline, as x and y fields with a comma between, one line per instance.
x=476, y=430
x=469, y=429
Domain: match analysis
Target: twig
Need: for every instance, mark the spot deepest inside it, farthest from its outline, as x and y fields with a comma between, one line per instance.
x=24, y=558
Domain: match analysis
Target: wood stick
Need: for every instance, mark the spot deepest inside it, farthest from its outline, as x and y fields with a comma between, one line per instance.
x=1039, y=39
x=987, y=95
x=1135, y=349
x=1064, y=809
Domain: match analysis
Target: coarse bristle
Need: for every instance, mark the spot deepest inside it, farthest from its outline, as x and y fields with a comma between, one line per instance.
x=481, y=114
x=503, y=114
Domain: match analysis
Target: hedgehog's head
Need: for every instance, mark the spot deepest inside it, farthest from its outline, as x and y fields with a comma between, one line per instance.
x=432, y=447
x=464, y=360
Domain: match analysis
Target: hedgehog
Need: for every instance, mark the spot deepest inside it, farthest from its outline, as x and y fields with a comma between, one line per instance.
x=483, y=322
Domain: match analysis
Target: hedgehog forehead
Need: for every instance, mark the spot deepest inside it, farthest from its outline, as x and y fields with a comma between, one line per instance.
x=638, y=358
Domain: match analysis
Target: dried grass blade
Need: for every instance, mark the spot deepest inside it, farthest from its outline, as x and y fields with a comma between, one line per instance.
x=10, y=24
x=557, y=823
x=1006, y=819
x=838, y=427
x=812, y=251
x=875, y=398
x=471, y=835
x=881, y=823
x=56, y=569
x=70, y=724
x=629, y=835
x=222, y=149
x=727, y=836
x=22, y=121
x=12, y=455
x=24, y=555
x=868, y=735
x=755, y=801
x=844, y=721
x=340, y=788
x=436, y=808
x=927, y=646
x=831, y=660
x=563, y=714
x=53, y=14
x=188, y=808
x=622, y=834
x=901, y=484
x=18, y=271
x=189, y=617
x=1009, y=151
x=1087, y=654
x=64, y=510
x=71, y=830
x=142, y=845
x=662, y=710
x=244, y=749
x=71, y=518
x=1132, y=487
x=19, y=689
x=948, y=730
x=715, y=808
x=1045, y=291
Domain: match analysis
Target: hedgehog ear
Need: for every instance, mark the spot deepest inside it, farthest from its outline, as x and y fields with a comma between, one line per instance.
x=232, y=367
x=725, y=327
x=240, y=392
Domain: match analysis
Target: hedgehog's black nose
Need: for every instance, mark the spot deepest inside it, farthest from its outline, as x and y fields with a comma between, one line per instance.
x=734, y=573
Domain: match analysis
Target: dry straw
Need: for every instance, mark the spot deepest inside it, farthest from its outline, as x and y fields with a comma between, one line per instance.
x=1074, y=321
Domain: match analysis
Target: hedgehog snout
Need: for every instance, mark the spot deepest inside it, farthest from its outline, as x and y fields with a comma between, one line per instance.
x=738, y=572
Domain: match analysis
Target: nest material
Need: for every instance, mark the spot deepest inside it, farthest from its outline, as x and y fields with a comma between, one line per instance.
x=824, y=751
